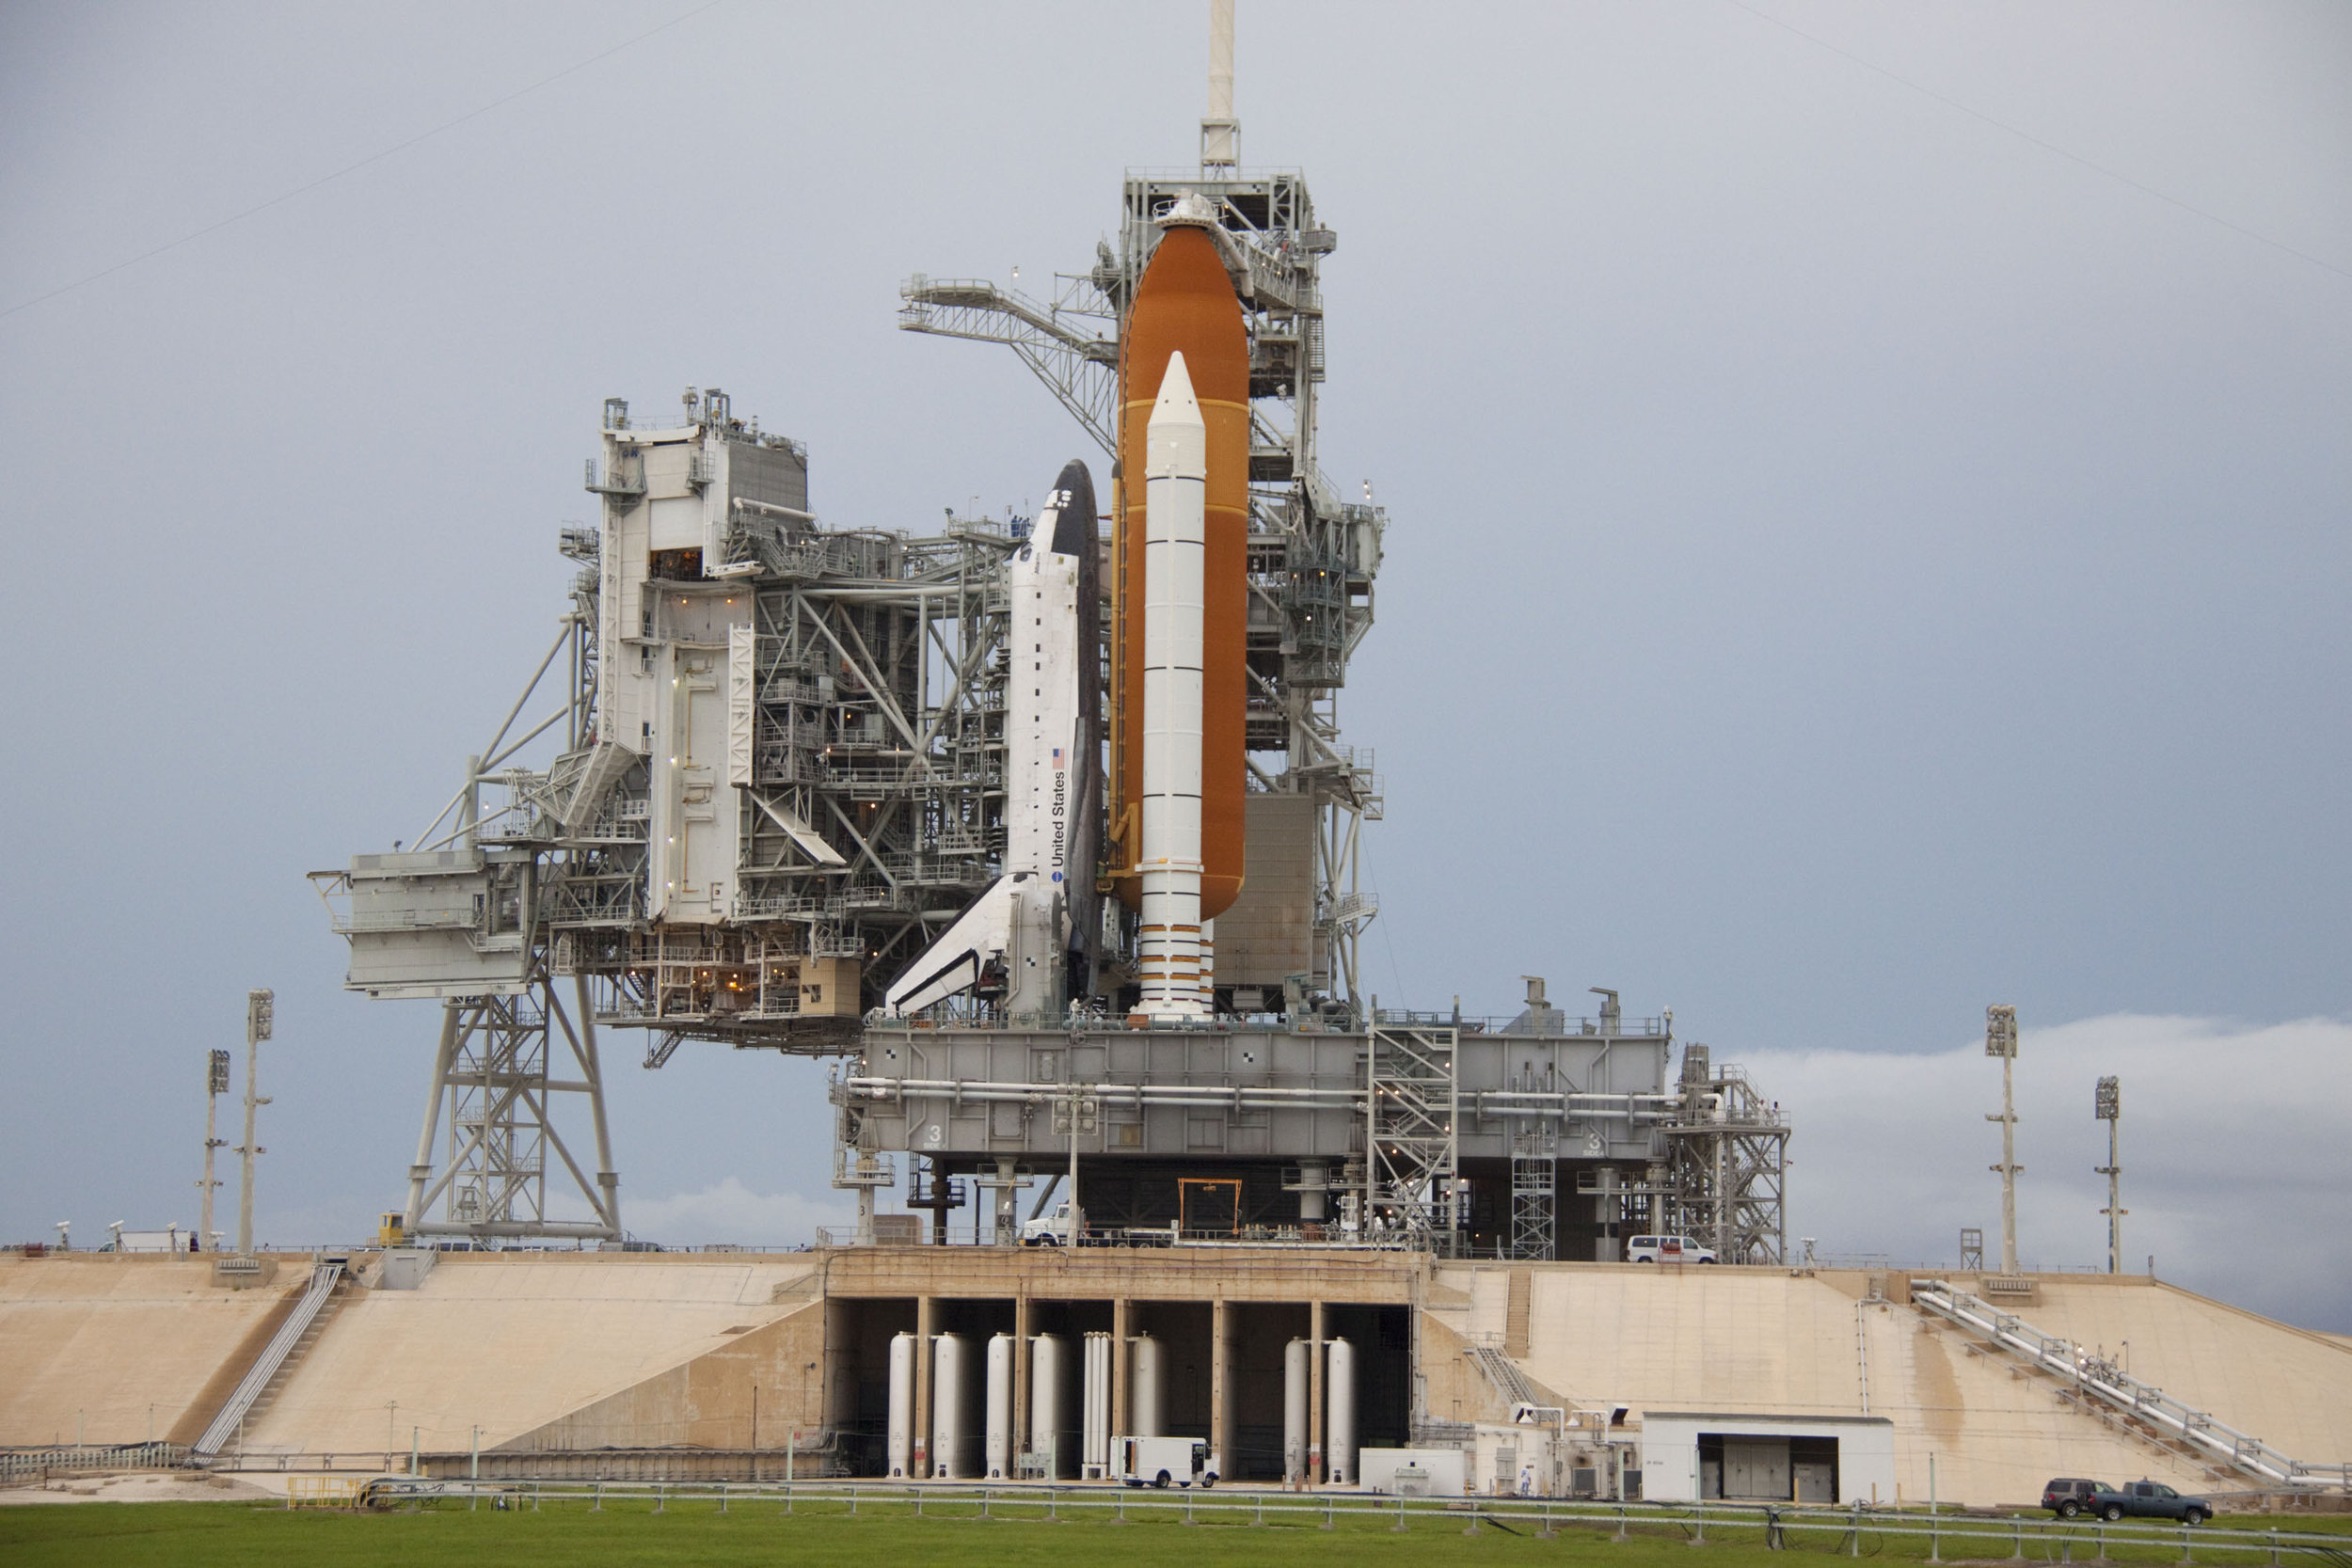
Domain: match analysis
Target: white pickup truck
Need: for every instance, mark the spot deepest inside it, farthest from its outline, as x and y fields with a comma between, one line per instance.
x=1158, y=1461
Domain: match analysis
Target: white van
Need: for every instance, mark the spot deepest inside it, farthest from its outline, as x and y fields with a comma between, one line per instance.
x=1157, y=1460
x=1666, y=1249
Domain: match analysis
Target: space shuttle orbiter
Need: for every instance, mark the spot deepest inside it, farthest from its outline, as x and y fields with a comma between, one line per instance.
x=1033, y=935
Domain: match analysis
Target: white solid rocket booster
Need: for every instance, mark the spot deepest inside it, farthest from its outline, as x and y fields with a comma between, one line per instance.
x=1175, y=546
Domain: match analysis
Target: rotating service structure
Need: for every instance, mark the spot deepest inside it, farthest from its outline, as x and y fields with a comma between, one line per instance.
x=778, y=773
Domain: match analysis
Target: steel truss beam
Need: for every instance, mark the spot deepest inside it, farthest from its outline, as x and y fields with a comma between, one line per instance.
x=1727, y=1160
x=491, y=1071
x=1080, y=369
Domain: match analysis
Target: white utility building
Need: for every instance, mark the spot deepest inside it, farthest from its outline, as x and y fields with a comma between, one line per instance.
x=1693, y=1456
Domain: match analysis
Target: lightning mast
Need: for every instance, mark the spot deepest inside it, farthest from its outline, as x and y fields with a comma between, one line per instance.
x=1220, y=133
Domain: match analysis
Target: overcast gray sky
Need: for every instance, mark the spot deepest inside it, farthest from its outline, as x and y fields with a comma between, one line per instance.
x=1868, y=490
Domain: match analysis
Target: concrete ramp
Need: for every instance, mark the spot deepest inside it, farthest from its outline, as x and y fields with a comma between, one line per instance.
x=1685, y=1339
x=1996, y=1430
x=133, y=1344
x=1769, y=1341
x=707, y=1401
x=510, y=1343
x=2289, y=1388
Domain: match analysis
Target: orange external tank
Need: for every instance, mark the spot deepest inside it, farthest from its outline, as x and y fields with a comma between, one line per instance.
x=1185, y=304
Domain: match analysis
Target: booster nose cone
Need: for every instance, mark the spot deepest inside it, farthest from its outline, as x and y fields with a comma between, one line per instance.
x=1176, y=441
x=1176, y=402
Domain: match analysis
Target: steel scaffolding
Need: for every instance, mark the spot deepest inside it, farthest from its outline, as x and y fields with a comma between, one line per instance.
x=1412, y=1145
x=1534, y=1194
x=492, y=1073
x=1727, y=1164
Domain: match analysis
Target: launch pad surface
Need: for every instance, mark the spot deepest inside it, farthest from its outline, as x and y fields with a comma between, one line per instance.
x=703, y=1366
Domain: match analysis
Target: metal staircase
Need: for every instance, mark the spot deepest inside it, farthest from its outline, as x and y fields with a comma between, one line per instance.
x=2092, y=1378
x=1506, y=1376
x=277, y=1359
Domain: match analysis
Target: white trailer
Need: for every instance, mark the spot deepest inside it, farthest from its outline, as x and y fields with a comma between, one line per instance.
x=1160, y=1460
x=1412, y=1472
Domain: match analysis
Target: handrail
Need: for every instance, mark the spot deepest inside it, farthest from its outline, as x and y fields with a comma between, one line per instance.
x=1253, y=1505
x=2102, y=1379
x=15, y=1463
x=1505, y=1374
x=323, y=1277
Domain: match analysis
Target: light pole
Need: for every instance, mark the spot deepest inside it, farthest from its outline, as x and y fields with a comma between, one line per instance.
x=215, y=1085
x=2108, y=1107
x=258, y=1006
x=1074, y=1112
x=2000, y=1039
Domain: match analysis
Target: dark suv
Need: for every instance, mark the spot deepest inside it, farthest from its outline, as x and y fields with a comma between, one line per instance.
x=2070, y=1498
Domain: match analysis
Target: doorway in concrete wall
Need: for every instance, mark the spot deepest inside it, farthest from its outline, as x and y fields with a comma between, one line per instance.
x=1748, y=1467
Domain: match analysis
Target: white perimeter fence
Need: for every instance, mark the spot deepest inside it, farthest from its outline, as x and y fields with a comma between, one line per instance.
x=1853, y=1531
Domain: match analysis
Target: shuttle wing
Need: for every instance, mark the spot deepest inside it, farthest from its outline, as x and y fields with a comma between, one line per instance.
x=953, y=963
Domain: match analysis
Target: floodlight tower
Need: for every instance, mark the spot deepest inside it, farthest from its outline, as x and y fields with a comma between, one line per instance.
x=257, y=1008
x=2000, y=1039
x=215, y=1085
x=2108, y=1107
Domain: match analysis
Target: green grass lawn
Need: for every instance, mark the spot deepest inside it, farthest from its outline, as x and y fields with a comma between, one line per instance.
x=246, y=1535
